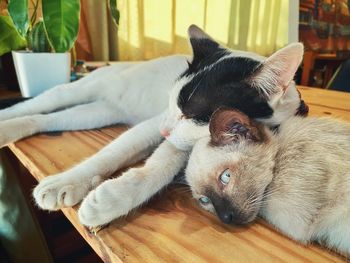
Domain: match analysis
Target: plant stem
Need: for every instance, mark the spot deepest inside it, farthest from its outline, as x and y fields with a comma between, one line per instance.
x=33, y=18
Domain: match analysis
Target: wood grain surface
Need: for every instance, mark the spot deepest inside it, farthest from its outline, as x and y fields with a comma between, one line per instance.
x=171, y=227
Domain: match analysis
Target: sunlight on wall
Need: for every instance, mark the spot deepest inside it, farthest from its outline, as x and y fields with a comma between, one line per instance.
x=218, y=19
x=283, y=24
x=129, y=39
x=187, y=13
x=234, y=36
x=152, y=28
x=158, y=20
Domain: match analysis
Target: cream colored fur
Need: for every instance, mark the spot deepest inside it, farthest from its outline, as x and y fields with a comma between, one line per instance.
x=298, y=179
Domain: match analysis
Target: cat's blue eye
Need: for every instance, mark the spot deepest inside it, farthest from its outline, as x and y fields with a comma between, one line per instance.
x=225, y=177
x=204, y=200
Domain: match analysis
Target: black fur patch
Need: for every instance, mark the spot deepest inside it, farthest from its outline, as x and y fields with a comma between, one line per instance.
x=223, y=85
x=205, y=53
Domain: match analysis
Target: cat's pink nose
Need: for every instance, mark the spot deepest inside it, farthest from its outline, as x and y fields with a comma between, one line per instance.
x=165, y=133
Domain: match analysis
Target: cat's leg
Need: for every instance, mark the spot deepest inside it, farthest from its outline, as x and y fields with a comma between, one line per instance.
x=81, y=91
x=70, y=187
x=116, y=197
x=59, y=97
x=86, y=116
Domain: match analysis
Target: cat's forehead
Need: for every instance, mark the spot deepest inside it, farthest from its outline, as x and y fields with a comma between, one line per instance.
x=221, y=56
x=206, y=158
x=207, y=163
x=238, y=63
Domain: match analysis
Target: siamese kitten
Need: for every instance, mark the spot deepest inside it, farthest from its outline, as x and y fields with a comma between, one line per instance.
x=171, y=97
x=298, y=179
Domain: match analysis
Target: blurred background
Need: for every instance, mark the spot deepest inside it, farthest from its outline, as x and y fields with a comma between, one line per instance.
x=152, y=28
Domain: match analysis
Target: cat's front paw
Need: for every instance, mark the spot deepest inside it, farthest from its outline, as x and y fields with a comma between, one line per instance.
x=107, y=202
x=57, y=191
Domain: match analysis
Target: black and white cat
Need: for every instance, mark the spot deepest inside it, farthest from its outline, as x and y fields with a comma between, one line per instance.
x=138, y=95
x=297, y=179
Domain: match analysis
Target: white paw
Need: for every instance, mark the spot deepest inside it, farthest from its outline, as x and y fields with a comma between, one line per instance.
x=55, y=192
x=107, y=202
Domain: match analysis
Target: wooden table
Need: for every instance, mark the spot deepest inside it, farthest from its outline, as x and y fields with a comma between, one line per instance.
x=171, y=227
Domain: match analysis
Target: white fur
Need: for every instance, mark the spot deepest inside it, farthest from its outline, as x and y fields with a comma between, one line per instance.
x=116, y=197
x=282, y=102
x=133, y=93
x=71, y=186
x=179, y=126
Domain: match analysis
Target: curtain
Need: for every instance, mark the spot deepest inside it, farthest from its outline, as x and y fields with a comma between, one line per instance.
x=153, y=28
x=98, y=37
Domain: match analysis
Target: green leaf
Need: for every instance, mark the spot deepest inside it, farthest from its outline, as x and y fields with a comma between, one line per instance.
x=61, y=19
x=10, y=39
x=18, y=10
x=37, y=38
x=114, y=11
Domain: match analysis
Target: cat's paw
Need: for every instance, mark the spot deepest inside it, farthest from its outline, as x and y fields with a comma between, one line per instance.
x=55, y=192
x=107, y=202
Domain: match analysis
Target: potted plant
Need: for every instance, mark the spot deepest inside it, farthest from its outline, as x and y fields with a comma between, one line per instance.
x=45, y=61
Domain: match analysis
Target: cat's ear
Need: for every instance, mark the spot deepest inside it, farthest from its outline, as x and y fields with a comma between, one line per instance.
x=279, y=69
x=229, y=126
x=202, y=44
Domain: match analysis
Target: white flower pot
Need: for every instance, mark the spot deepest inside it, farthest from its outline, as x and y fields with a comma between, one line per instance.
x=37, y=72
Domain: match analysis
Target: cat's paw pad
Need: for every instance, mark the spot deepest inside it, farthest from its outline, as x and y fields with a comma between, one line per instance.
x=53, y=193
x=102, y=205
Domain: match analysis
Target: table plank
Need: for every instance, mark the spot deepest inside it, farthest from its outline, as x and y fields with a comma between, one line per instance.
x=330, y=99
x=171, y=227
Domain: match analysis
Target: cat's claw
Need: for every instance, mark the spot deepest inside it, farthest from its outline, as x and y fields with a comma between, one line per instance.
x=53, y=193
